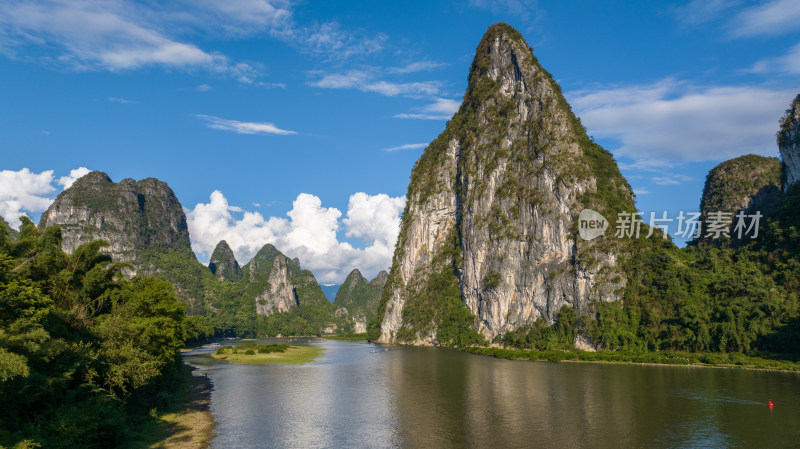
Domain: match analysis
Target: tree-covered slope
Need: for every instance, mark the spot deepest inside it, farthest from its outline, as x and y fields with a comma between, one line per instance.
x=747, y=184
x=359, y=298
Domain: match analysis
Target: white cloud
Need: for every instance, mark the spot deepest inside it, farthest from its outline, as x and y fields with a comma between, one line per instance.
x=641, y=191
x=374, y=218
x=117, y=35
x=670, y=120
x=364, y=81
x=701, y=11
x=408, y=146
x=330, y=41
x=27, y=193
x=243, y=127
x=417, y=66
x=23, y=193
x=440, y=109
x=309, y=233
x=771, y=18
x=97, y=34
x=203, y=88
x=671, y=179
x=788, y=63
x=67, y=181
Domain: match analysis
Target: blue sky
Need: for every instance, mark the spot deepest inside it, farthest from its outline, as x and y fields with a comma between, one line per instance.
x=307, y=117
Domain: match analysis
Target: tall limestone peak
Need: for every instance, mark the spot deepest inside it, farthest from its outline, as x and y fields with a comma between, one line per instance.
x=748, y=183
x=789, y=143
x=360, y=298
x=380, y=278
x=277, y=282
x=223, y=263
x=488, y=240
x=279, y=294
x=132, y=216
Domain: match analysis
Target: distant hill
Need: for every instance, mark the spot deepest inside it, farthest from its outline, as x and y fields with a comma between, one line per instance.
x=360, y=298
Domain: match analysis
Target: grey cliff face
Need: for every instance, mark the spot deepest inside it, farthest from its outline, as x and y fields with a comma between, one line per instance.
x=279, y=295
x=132, y=216
x=509, y=179
x=789, y=144
x=223, y=263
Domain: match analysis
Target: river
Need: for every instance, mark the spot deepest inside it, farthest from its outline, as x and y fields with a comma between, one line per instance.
x=435, y=397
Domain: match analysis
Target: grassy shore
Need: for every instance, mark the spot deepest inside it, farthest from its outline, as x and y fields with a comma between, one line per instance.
x=187, y=422
x=716, y=360
x=347, y=337
x=253, y=354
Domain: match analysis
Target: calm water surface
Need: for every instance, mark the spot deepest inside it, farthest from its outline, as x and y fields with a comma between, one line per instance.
x=433, y=397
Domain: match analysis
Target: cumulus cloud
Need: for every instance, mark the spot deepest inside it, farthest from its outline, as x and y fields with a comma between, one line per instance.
x=673, y=121
x=374, y=218
x=24, y=192
x=243, y=127
x=309, y=232
x=74, y=175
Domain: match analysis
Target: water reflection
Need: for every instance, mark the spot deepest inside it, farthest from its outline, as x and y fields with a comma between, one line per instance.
x=427, y=397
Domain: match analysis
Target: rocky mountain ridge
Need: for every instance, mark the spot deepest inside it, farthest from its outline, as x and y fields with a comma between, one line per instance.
x=130, y=215
x=489, y=231
x=358, y=298
x=749, y=184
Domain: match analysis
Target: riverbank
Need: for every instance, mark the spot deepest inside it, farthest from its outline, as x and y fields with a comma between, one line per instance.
x=671, y=358
x=187, y=423
x=346, y=337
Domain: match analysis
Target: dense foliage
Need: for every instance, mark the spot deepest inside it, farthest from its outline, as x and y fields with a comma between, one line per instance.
x=699, y=299
x=84, y=353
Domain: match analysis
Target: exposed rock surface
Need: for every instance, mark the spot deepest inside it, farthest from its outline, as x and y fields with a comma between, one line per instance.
x=278, y=284
x=358, y=298
x=131, y=216
x=143, y=222
x=279, y=294
x=750, y=184
x=789, y=143
x=223, y=263
x=492, y=209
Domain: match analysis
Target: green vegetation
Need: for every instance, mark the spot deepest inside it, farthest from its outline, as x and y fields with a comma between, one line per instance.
x=360, y=297
x=786, y=123
x=252, y=353
x=700, y=359
x=84, y=353
x=347, y=337
x=730, y=185
x=699, y=300
x=185, y=422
